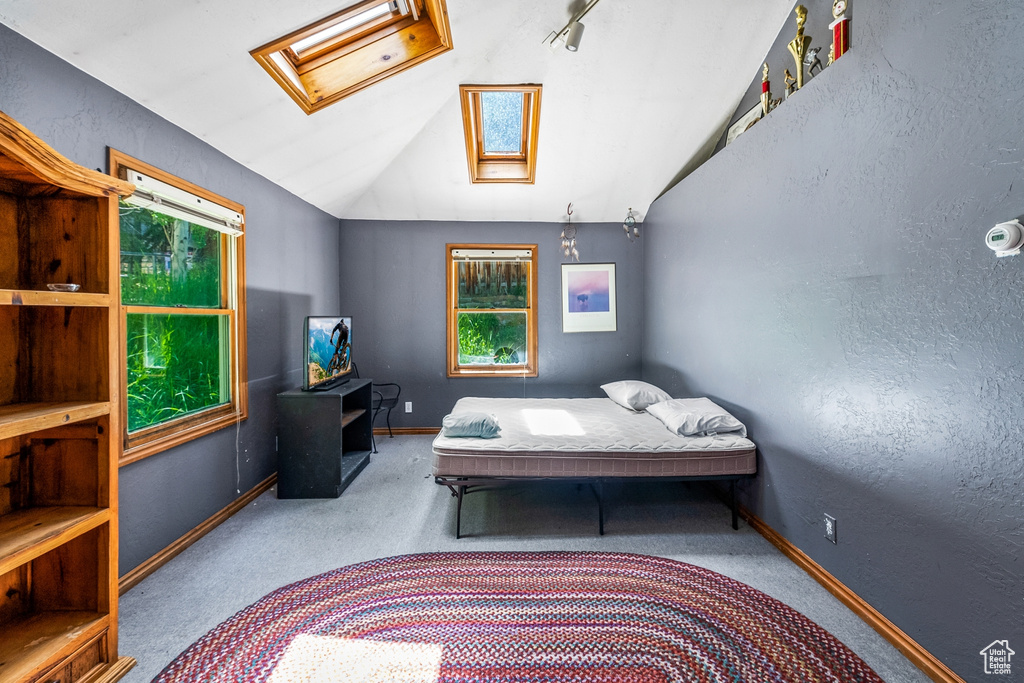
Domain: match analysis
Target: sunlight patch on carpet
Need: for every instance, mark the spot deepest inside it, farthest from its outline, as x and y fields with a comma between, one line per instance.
x=319, y=659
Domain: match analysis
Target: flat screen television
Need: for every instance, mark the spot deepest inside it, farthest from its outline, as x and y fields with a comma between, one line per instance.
x=328, y=354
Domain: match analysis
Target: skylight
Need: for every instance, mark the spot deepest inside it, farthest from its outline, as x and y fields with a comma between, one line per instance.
x=341, y=27
x=502, y=118
x=501, y=125
x=364, y=44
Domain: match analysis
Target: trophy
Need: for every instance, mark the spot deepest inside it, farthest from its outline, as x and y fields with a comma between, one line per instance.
x=766, y=92
x=798, y=46
x=840, y=30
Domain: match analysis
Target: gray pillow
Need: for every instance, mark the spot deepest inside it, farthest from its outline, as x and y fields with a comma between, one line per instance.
x=634, y=394
x=696, y=417
x=470, y=424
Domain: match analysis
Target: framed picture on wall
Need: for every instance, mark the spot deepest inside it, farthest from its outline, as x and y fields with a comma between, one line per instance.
x=588, y=297
x=746, y=121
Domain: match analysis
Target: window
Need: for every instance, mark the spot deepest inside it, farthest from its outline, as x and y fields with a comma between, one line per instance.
x=361, y=45
x=492, y=310
x=182, y=310
x=501, y=124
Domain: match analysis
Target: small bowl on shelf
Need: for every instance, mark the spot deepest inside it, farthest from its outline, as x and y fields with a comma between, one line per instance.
x=60, y=287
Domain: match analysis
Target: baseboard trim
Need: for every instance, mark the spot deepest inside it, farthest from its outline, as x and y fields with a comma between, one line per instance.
x=924, y=660
x=135, y=576
x=407, y=430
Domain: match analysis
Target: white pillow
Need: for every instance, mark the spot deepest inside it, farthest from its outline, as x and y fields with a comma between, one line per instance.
x=634, y=394
x=696, y=417
x=470, y=424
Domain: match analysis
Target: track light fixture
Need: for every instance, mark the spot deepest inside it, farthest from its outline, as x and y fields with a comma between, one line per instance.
x=572, y=41
x=572, y=33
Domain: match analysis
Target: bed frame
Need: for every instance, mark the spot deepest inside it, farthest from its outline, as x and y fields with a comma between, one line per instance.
x=604, y=443
x=460, y=486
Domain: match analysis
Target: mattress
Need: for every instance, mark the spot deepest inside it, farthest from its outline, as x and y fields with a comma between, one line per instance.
x=584, y=438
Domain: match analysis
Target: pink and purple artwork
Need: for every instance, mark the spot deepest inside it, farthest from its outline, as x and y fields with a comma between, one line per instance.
x=588, y=291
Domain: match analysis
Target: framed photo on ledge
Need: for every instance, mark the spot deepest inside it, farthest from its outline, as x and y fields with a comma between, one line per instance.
x=588, y=297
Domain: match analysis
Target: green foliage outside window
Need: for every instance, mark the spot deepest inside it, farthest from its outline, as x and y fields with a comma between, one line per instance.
x=175, y=366
x=167, y=261
x=177, y=363
x=492, y=338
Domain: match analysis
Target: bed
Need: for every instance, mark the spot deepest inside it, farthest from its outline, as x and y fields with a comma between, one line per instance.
x=590, y=440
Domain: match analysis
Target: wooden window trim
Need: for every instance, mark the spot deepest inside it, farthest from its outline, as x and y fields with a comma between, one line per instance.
x=357, y=59
x=494, y=168
x=478, y=122
x=528, y=369
x=342, y=39
x=150, y=441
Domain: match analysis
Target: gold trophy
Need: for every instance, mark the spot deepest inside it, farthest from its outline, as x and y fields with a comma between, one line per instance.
x=798, y=46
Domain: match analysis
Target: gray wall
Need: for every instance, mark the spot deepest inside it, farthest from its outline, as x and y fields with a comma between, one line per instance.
x=291, y=267
x=825, y=277
x=779, y=58
x=393, y=284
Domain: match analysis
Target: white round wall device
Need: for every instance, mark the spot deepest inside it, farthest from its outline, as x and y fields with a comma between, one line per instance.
x=1005, y=237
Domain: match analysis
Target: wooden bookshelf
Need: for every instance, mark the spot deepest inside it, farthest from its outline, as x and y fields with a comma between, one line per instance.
x=41, y=636
x=59, y=415
x=24, y=418
x=32, y=297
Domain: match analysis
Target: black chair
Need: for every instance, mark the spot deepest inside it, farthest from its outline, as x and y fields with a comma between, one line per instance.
x=385, y=397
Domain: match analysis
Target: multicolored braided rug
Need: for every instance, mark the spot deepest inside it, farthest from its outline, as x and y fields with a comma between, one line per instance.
x=545, y=616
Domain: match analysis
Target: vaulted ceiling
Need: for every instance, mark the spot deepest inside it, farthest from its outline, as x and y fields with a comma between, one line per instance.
x=652, y=83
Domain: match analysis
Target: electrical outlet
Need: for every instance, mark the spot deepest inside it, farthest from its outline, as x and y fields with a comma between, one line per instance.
x=275, y=444
x=408, y=406
x=830, y=527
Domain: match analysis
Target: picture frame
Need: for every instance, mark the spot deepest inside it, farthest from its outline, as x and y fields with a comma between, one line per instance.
x=743, y=123
x=588, y=297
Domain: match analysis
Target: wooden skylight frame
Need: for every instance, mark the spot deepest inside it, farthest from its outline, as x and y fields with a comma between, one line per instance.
x=500, y=168
x=359, y=57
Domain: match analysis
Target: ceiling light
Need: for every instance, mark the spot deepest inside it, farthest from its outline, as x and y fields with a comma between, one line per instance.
x=572, y=32
x=572, y=41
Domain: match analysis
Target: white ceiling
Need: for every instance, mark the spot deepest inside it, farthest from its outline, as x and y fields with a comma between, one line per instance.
x=652, y=82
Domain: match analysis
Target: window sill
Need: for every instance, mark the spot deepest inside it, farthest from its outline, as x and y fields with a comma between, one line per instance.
x=493, y=372
x=204, y=423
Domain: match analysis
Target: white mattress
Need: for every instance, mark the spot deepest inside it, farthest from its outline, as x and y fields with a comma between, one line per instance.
x=584, y=437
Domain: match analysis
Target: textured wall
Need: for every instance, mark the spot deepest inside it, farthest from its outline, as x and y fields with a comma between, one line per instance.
x=291, y=269
x=825, y=276
x=393, y=284
x=779, y=58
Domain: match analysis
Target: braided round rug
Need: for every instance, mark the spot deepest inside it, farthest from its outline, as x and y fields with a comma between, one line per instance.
x=518, y=616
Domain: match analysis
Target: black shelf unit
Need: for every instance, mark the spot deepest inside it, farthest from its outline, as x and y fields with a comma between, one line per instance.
x=324, y=439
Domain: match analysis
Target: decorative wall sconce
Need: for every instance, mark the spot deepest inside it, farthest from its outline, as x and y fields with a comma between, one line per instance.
x=629, y=225
x=569, y=237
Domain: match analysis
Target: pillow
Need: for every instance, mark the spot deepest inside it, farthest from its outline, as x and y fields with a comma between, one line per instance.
x=470, y=424
x=634, y=394
x=696, y=417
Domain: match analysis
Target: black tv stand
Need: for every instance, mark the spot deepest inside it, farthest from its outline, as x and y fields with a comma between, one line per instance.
x=327, y=386
x=324, y=439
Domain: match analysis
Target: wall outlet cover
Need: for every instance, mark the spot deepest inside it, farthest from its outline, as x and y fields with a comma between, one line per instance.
x=830, y=528
x=408, y=406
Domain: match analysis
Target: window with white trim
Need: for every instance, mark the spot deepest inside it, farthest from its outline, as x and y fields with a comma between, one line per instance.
x=354, y=48
x=492, y=310
x=182, y=309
